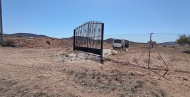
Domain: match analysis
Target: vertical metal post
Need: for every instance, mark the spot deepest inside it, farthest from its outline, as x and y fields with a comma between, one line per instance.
x=95, y=38
x=88, y=36
x=74, y=41
x=93, y=32
x=91, y=35
x=1, y=25
x=150, y=42
x=79, y=36
x=102, y=39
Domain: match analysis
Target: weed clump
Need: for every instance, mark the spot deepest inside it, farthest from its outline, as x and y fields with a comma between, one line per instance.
x=113, y=53
x=147, y=61
x=159, y=58
x=182, y=71
x=66, y=55
x=135, y=60
x=8, y=42
x=48, y=42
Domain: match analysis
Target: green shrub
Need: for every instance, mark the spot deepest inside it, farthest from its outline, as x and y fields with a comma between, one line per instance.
x=183, y=39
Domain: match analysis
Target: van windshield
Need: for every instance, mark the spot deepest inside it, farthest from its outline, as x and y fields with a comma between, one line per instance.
x=117, y=41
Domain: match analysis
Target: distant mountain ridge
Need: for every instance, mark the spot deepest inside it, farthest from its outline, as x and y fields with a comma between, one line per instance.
x=169, y=43
x=26, y=35
x=109, y=40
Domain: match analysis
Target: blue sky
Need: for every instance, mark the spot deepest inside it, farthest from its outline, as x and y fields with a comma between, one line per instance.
x=58, y=18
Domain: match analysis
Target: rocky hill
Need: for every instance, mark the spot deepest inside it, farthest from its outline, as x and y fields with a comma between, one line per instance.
x=26, y=35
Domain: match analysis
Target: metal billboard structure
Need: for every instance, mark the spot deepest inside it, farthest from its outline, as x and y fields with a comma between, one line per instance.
x=1, y=25
x=89, y=38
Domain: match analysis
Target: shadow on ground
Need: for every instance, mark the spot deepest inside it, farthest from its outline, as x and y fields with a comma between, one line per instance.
x=186, y=51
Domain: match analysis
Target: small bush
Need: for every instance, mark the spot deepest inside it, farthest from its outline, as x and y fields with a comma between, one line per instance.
x=174, y=58
x=186, y=51
x=113, y=53
x=77, y=53
x=183, y=39
x=159, y=58
x=147, y=60
x=8, y=42
x=172, y=46
x=106, y=53
x=86, y=58
x=48, y=42
x=66, y=55
x=182, y=71
x=135, y=60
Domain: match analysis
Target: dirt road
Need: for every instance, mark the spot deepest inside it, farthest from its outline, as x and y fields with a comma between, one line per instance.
x=41, y=72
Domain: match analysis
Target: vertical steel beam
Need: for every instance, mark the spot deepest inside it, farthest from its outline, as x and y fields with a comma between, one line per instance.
x=88, y=35
x=102, y=39
x=150, y=43
x=1, y=25
x=74, y=41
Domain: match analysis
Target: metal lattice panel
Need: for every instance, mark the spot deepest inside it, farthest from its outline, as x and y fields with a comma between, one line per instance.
x=89, y=37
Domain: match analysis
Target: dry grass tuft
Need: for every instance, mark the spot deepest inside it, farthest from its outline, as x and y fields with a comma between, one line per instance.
x=135, y=60
x=146, y=61
x=48, y=42
x=158, y=57
x=182, y=71
x=172, y=46
x=8, y=42
x=113, y=53
x=174, y=58
x=66, y=55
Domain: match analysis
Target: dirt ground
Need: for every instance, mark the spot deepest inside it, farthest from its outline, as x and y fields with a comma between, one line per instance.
x=34, y=72
x=39, y=43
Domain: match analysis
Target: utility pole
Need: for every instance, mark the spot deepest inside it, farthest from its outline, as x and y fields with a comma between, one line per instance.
x=150, y=43
x=1, y=25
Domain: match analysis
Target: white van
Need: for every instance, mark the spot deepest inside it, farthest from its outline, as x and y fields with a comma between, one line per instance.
x=120, y=43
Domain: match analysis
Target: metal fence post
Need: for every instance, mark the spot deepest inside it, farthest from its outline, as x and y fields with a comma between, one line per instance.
x=88, y=36
x=150, y=42
x=1, y=25
x=102, y=41
x=74, y=41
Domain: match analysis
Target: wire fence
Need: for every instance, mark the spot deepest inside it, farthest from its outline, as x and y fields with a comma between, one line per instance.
x=144, y=38
x=151, y=51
